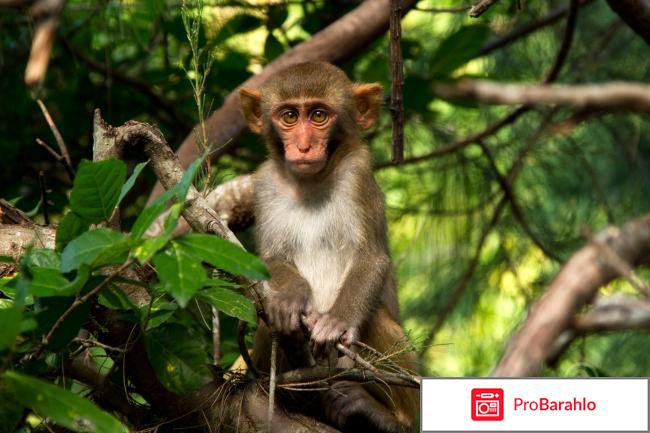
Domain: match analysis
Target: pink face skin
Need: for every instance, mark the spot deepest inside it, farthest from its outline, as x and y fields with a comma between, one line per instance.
x=304, y=127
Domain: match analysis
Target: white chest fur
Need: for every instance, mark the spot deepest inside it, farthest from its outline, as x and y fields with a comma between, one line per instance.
x=319, y=238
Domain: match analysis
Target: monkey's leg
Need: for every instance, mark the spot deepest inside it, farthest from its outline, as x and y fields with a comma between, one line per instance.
x=350, y=407
x=384, y=334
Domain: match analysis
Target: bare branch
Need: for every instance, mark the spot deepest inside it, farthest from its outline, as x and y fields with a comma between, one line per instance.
x=479, y=8
x=575, y=286
x=615, y=96
x=57, y=135
x=313, y=375
x=397, y=81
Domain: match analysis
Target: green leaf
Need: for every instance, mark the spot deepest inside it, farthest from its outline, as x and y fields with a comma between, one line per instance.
x=223, y=255
x=61, y=406
x=114, y=298
x=10, y=320
x=41, y=258
x=277, y=14
x=230, y=303
x=131, y=181
x=6, y=259
x=181, y=274
x=272, y=47
x=70, y=227
x=11, y=411
x=160, y=312
x=458, y=49
x=97, y=188
x=91, y=246
x=149, y=215
x=49, y=310
x=50, y=282
x=178, y=358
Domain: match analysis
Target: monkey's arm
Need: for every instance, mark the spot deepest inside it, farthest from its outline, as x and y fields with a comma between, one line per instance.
x=358, y=298
x=289, y=296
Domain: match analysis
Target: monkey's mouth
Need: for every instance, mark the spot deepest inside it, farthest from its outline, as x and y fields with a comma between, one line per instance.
x=306, y=166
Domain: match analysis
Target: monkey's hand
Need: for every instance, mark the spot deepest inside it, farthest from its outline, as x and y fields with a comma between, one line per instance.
x=284, y=308
x=327, y=330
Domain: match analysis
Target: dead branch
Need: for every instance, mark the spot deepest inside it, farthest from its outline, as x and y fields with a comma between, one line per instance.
x=615, y=96
x=336, y=43
x=12, y=215
x=635, y=13
x=63, y=149
x=397, y=80
x=47, y=14
x=479, y=8
x=575, y=286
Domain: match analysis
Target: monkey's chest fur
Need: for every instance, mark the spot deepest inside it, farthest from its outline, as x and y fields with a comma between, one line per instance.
x=319, y=235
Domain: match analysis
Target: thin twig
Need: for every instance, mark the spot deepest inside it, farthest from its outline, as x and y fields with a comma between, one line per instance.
x=68, y=169
x=514, y=204
x=272, y=381
x=450, y=10
x=216, y=337
x=397, y=81
x=356, y=358
x=241, y=342
x=55, y=131
x=479, y=8
x=78, y=301
x=43, y=187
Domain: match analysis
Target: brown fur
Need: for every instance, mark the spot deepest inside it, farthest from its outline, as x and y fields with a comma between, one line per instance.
x=336, y=216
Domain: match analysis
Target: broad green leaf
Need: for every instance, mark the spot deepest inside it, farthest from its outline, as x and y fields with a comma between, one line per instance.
x=70, y=227
x=49, y=282
x=160, y=312
x=230, y=303
x=61, y=406
x=6, y=259
x=9, y=326
x=42, y=258
x=149, y=215
x=458, y=49
x=89, y=247
x=114, y=298
x=97, y=188
x=223, y=255
x=131, y=181
x=178, y=357
x=181, y=274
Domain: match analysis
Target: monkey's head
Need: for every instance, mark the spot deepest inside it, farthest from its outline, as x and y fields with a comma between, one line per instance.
x=307, y=111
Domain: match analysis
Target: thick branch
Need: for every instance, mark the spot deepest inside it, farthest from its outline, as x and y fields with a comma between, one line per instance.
x=615, y=96
x=635, y=13
x=575, y=286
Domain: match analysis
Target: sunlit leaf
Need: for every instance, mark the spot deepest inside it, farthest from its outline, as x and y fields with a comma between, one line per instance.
x=97, y=188
x=230, y=303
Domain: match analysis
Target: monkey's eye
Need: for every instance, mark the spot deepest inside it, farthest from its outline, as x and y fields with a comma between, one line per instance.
x=319, y=116
x=290, y=117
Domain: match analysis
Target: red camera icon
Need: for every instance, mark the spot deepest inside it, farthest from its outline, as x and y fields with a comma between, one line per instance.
x=487, y=404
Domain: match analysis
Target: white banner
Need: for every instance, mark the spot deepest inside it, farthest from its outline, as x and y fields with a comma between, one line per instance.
x=602, y=404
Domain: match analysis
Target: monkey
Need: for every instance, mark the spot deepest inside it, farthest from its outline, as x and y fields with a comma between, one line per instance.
x=321, y=230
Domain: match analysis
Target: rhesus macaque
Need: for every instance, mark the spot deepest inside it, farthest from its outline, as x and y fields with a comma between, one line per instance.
x=321, y=230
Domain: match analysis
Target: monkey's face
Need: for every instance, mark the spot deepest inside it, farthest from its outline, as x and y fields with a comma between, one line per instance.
x=307, y=111
x=304, y=127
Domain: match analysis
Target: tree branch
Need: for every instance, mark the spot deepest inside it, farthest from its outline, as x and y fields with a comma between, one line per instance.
x=615, y=96
x=574, y=286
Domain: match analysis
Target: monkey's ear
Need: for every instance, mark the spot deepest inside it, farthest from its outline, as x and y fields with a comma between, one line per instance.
x=368, y=99
x=250, y=100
